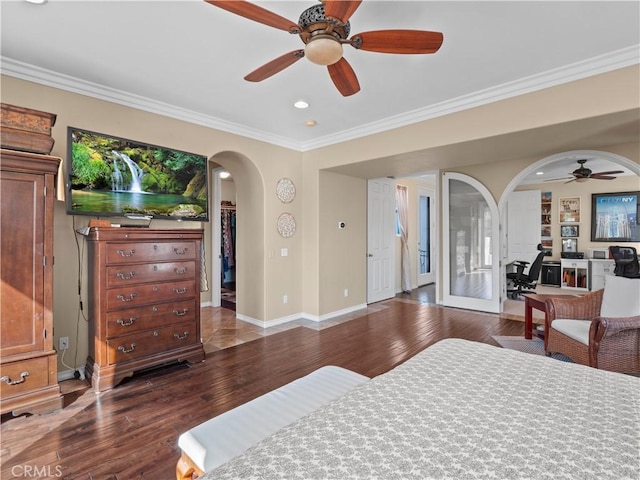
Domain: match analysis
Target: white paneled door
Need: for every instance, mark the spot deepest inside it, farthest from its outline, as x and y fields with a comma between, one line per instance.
x=523, y=225
x=381, y=233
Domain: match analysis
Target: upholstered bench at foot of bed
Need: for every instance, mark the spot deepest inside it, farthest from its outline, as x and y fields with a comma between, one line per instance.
x=226, y=436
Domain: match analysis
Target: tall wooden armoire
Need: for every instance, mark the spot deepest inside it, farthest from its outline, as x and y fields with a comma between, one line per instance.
x=28, y=362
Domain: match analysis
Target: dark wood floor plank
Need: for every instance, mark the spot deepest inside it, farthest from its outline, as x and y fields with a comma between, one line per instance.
x=131, y=431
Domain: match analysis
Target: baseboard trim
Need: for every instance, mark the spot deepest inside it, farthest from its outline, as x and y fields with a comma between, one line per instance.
x=330, y=315
x=70, y=374
x=299, y=316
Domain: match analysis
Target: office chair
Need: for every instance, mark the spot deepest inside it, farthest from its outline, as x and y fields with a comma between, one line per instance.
x=627, y=264
x=525, y=282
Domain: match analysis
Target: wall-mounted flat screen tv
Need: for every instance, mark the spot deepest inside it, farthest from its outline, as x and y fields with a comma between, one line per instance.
x=113, y=176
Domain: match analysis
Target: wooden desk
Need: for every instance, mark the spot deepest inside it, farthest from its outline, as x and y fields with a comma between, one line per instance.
x=531, y=301
x=537, y=301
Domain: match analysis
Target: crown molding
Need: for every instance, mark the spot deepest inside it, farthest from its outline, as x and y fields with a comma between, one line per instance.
x=32, y=73
x=622, y=58
x=625, y=57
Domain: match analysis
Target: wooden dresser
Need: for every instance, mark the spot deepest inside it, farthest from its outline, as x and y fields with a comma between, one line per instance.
x=29, y=370
x=144, y=301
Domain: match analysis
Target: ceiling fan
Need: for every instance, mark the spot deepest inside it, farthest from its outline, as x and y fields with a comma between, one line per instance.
x=324, y=28
x=582, y=174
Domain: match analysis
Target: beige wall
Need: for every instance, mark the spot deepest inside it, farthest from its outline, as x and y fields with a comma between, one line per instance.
x=322, y=261
x=256, y=167
x=342, y=251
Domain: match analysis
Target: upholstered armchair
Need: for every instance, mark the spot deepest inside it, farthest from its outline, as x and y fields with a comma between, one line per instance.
x=600, y=329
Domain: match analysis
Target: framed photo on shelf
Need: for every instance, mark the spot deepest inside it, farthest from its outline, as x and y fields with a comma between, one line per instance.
x=569, y=209
x=614, y=217
x=569, y=231
x=569, y=245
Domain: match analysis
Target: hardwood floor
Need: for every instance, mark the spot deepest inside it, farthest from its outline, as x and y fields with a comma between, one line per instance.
x=131, y=431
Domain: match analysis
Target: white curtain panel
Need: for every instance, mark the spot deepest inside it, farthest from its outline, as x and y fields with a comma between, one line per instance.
x=402, y=202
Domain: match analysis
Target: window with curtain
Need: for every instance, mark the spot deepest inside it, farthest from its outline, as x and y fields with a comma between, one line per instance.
x=402, y=207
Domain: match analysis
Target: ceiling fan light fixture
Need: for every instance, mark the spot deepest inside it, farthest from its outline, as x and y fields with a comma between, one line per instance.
x=323, y=50
x=581, y=179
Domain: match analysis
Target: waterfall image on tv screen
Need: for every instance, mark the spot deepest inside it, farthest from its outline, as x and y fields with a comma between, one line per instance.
x=112, y=176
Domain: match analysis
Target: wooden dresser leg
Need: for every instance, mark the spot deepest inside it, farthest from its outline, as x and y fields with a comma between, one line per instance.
x=185, y=469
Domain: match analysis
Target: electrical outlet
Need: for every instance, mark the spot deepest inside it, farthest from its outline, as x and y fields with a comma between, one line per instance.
x=285, y=299
x=346, y=292
x=64, y=343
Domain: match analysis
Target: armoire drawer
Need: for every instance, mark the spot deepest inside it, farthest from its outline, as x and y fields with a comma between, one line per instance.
x=132, y=252
x=143, y=344
x=135, y=295
x=150, y=272
x=131, y=320
x=24, y=376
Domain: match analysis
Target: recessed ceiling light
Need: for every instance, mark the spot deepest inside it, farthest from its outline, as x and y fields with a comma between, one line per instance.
x=225, y=174
x=37, y=2
x=301, y=104
x=539, y=173
x=310, y=123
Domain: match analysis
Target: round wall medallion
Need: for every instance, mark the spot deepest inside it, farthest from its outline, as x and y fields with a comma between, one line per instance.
x=285, y=190
x=286, y=225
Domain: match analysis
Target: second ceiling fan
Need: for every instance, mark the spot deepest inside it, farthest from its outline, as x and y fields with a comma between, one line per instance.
x=582, y=174
x=324, y=28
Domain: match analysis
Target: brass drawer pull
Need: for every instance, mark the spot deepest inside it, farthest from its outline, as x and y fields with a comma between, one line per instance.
x=180, y=290
x=184, y=335
x=123, y=349
x=182, y=313
x=180, y=252
x=8, y=381
x=124, y=276
x=180, y=272
x=122, y=298
x=124, y=323
x=122, y=253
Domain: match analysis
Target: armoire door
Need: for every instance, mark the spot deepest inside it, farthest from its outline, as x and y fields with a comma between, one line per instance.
x=22, y=306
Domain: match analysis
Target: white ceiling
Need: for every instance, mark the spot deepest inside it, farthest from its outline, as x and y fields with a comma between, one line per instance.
x=187, y=59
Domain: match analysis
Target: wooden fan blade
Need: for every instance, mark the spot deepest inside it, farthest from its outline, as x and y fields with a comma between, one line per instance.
x=599, y=176
x=559, y=179
x=274, y=66
x=257, y=14
x=612, y=172
x=398, y=41
x=344, y=78
x=340, y=10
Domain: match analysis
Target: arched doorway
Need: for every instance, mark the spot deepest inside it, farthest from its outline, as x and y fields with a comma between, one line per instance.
x=539, y=165
x=249, y=231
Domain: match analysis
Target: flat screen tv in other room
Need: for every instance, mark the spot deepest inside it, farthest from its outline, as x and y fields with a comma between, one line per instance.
x=111, y=176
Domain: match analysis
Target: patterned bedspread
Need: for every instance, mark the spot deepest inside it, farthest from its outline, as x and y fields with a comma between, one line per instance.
x=463, y=410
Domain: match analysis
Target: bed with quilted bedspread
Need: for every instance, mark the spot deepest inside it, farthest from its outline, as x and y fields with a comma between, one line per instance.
x=462, y=410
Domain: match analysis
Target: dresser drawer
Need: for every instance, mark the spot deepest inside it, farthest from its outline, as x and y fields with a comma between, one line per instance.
x=150, y=272
x=131, y=320
x=26, y=375
x=135, y=295
x=132, y=252
x=159, y=340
